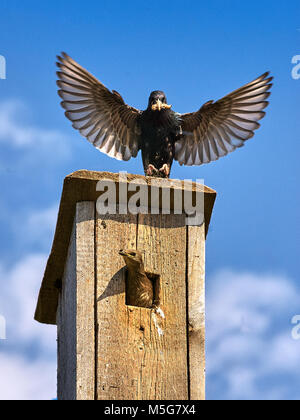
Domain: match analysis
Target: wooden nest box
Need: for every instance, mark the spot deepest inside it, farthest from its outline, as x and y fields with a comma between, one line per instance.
x=108, y=350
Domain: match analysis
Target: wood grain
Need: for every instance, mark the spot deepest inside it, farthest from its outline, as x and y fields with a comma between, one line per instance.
x=66, y=328
x=76, y=325
x=115, y=360
x=110, y=351
x=140, y=354
x=81, y=186
x=196, y=309
x=164, y=374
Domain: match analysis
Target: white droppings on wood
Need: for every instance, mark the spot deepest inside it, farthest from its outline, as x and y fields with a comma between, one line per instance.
x=155, y=321
x=160, y=312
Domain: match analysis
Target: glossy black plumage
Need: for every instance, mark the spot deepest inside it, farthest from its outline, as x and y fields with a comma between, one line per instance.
x=159, y=131
x=162, y=135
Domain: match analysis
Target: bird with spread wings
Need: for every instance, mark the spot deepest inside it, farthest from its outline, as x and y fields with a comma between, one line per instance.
x=162, y=135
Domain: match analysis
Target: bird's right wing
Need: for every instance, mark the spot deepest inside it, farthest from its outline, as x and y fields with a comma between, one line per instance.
x=220, y=127
x=99, y=114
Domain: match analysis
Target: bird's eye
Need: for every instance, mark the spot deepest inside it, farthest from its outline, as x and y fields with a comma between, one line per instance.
x=133, y=254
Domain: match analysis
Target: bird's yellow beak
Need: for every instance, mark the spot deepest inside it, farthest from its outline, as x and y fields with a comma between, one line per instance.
x=160, y=105
x=157, y=106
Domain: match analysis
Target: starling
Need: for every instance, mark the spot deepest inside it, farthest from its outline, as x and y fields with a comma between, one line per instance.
x=140, y=291
x=161, y=134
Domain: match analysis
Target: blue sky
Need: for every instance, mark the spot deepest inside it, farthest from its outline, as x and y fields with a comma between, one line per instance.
x=194, y=53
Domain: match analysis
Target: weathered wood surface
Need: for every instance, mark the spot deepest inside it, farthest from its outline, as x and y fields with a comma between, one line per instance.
x=76, y=314
x=141, y=355
x=164, y=374
x=81, y=186
x=66, y=328
x=196, y=310
x=115, y=362
x=108, y=350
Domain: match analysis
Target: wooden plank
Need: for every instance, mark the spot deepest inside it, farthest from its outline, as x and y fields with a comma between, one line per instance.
x=76, y=315
x=164, y=372
x=85, y=238
x=66, y=328
x=78, y=187
x=196, y=309
x=140, y=354
x=116, y=362
x=108, y=350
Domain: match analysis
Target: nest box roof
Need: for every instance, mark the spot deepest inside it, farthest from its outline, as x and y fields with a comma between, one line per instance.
x=81, y=186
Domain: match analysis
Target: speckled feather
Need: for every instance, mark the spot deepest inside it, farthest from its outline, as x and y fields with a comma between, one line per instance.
x=120, y=131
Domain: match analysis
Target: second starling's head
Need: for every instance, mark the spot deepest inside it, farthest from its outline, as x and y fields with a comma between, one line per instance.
x=158, y=101
x=132, y=258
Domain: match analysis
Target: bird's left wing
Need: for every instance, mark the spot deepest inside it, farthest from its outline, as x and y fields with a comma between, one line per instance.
x=99, y=114
x=218, y=128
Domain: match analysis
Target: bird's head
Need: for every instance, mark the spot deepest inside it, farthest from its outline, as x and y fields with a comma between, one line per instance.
x=158, y=101
x=132, y=258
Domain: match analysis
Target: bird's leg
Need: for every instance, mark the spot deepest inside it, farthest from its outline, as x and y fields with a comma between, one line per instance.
x=165, y=170
x=151, y=170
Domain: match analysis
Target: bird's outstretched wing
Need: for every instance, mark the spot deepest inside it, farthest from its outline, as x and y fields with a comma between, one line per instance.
x=218, y=128
x=99, y=114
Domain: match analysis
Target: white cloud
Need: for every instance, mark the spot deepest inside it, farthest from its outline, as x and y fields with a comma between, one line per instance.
x=240, y=380
x=20, y=283
x=249, y=341
x=19, y=292
x=250, y=350
x=18, y=134
x=284, y=354
x=38, y=227
x=42, y=218
x=22, y=379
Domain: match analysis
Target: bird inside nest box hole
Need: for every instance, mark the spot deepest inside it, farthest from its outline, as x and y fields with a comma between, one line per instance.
x=142, y=288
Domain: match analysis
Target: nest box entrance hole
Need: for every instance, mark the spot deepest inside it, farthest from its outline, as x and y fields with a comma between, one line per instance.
x=156, y=284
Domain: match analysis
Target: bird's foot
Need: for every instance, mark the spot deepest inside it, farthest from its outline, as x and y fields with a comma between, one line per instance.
x=165, y=171
x=152, y=171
